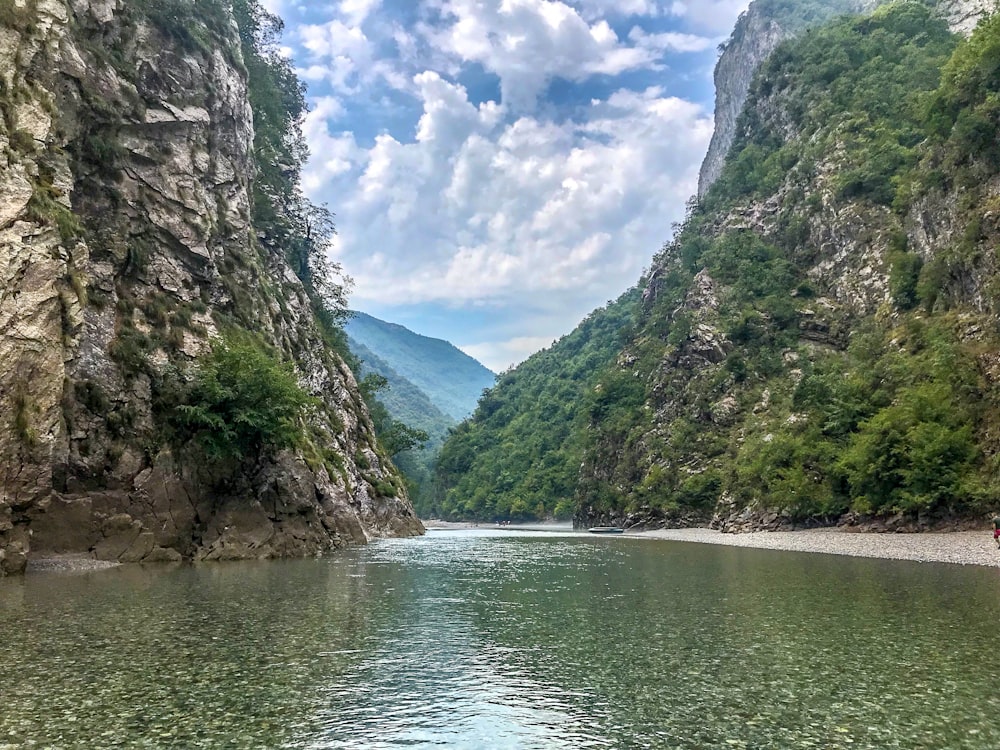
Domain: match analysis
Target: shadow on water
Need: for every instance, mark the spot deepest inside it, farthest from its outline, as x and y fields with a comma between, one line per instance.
x=498, y=639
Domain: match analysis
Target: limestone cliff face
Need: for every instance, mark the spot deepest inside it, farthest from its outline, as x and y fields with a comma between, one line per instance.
x=964, y=15
x=125, y=242
x=756, y=36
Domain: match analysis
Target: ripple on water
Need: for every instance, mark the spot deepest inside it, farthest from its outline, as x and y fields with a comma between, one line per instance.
x=500, y=640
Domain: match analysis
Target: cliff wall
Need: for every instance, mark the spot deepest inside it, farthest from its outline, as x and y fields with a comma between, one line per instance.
x=127, y=246
x=758, y=32
x=825, y=310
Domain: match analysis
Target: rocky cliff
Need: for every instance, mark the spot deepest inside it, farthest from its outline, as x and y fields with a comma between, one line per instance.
x=759, y=31
x=128, y=245
x=817, y=344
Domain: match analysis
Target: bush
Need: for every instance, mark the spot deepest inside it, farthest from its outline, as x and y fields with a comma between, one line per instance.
x=241, y=402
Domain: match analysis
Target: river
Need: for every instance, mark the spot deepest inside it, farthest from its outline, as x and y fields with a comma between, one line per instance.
x=506, y=639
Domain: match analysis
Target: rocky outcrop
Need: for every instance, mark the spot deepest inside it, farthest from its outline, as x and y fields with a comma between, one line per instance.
x=755, y=38
x=757, y=35
x=964, y=15
x=127, y=241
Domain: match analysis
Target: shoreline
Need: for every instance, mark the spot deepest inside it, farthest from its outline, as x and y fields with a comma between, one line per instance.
x=953, y=547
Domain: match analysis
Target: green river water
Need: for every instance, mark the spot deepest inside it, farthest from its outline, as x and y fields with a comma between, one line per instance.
x=502, y=639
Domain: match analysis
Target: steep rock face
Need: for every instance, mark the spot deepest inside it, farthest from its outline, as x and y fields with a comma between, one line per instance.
x=755, y=38
x=964, y=15
x=126, y=242
x=758, y=33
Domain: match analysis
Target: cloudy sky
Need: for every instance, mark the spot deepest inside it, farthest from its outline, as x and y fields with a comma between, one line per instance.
x=499, y=168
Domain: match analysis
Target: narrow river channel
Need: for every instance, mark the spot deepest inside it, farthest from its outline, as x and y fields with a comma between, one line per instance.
x=506, y=639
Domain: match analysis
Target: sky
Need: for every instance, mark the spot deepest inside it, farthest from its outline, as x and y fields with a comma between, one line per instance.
x=500, y=168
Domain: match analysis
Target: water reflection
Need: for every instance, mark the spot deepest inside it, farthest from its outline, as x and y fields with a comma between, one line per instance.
x=495, y=639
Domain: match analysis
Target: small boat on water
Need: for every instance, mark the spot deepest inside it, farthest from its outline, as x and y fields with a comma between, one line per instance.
x=606, y=530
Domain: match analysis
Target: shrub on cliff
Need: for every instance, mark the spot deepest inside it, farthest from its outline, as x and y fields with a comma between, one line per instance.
x=240, y=402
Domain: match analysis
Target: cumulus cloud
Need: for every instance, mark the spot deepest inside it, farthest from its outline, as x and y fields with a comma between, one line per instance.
x=357, y=11
x=714, y=16
x=470, y=198
x=528, y=43
x=477, y=208
x=603, y=8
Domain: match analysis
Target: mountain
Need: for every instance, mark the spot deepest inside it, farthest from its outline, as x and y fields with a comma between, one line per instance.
x=451, y=379
x=818, y=343
x=759, y=30
x=519, y=455
x=404, y=401
x=169, y=367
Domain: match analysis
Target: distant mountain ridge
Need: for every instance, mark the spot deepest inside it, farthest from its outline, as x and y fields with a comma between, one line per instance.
x=452, y=380
x=405, y=402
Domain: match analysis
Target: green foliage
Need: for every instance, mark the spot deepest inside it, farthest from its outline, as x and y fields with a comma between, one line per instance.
x=895, y=423
x=241, y=402
x=23, y=142
x=301, y=230
x=964, y=113
x=44, y=207
x=913, y=455
x=194, y=24
x=787, y=470
x=855, y=87
x=131, y=349
x=418, y=419
x=395, y=436
x=520, y=453
x=904, y=279
x=19, y=18
x=23, y=428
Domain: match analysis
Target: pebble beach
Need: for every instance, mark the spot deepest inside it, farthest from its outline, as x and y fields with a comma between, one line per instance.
x=955, y=547
x=959, y=547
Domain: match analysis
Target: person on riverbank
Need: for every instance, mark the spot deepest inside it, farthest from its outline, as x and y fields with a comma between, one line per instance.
x=996, y=530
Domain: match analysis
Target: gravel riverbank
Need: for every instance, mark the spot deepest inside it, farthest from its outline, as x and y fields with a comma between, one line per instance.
x=961, y=547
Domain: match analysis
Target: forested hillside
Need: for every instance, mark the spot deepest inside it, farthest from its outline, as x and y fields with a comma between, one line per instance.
x=519, y=456
x=413, y=427
x=819, y=341
x=418, y=388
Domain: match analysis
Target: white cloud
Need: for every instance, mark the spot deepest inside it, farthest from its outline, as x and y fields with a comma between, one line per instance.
x=602, y=8
x=476, y=208
x=532, y=210
x=357, y=11
x=715, y=16
x=498, y=356
x=528, y=43
x=670, y=41
x=340, y=54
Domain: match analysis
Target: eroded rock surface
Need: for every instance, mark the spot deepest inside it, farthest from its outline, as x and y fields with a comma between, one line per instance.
x=125, y=236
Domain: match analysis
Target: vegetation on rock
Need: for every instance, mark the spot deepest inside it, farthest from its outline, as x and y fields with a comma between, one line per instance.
x=241, y=401
x=519, y=455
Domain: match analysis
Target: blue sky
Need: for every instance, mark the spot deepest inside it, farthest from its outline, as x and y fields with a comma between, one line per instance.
x=500, y=168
